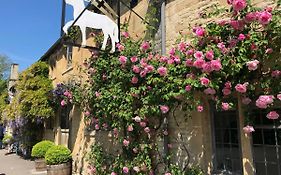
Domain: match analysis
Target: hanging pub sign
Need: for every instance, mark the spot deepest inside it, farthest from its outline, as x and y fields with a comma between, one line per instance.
x=84, y=18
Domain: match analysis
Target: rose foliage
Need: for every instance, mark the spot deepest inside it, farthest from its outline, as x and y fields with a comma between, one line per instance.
x=133, y=90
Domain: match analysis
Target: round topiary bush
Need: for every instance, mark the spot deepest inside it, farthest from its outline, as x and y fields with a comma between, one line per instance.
x=58, y=155
x=39, y=150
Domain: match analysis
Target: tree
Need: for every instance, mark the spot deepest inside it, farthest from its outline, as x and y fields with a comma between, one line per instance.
x=5, y=63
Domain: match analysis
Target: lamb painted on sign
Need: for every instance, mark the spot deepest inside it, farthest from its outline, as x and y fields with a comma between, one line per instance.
x=92, y=20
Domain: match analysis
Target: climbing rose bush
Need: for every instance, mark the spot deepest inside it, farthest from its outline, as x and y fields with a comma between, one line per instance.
x=128, y=92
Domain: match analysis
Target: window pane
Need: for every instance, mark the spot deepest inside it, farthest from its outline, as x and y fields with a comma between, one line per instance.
x=260, y=168
x=272, y=169
x=258, y=153
x=271, y=154
x=257, y=137
x=269, y=136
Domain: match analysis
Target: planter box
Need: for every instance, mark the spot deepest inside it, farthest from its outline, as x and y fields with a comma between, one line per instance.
x=62, y=169
x=40, y=165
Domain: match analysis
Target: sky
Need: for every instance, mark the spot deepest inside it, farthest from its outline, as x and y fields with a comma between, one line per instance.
x=29, y=28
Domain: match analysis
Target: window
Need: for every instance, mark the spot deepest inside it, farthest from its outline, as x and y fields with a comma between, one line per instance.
x=226, y=143
x=69, y=50
x=266, y=144
x=64, y=116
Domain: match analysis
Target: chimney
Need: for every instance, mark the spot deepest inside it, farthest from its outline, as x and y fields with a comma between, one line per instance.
x=13, y=75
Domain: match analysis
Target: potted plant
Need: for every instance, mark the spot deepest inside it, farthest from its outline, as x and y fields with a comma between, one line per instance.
x=39, y=151
x=58, y=159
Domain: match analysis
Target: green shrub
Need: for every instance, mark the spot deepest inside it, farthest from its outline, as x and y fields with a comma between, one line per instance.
x=57, y=155
x=39, y=150
x=8, y=138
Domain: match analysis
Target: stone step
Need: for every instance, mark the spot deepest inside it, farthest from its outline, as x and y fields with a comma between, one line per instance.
x=34, y=172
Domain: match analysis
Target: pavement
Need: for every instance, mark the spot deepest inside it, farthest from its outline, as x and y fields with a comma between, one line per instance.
x=13, y=164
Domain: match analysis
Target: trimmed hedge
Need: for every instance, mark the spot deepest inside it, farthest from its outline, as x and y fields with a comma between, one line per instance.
x=39, y=150
x=58, y=155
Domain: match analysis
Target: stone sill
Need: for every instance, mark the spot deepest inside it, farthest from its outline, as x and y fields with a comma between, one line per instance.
x=67, y=70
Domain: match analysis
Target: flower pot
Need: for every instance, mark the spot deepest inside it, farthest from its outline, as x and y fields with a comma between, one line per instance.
x=61, y=169
x=40, y=165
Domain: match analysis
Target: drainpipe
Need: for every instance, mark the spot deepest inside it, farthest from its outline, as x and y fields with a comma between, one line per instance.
x=62, y=17
x=163, y=52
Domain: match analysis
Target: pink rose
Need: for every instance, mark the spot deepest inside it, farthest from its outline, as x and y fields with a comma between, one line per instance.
x=246, y=100
x=134, y=80
x=264, y=100
x=162, y=71
x=279, y=96
x=200, y=108
x=269, y=50
x=171, y=61
x=143, y=124
x=134, y=59
x=136, y=169
x=145, y=46
x=199, y=31
x=136, y=69
x=242, y=88
x=130, y=128
x=272, y=115
x=239, y=4
x=248, y=129
x=190, y=52
x=137, y=119
x=120, y=47
x=210, y=91
x=163, y=59
x=113, y=173
x=164, y=109
x=168, y=173
x=204, y=81
x=143, y=73
x=189, y=62
x=276, y=73
x=241, y=37
x=182, y=46
x=149, y=68
x=226, y=91
x=172, y=51
x=97, y=127
x=228, y=85
x=123, y=59
x=250, y=17
x=225, y=106
x=216, y=65
x=62, y=103
x=252, y=65
x=126, y=142
x=207, y=67
x=210, y=55
x=146, y=129
x=199, y=63
x=264, y=17
x=125, y=34
x=199, y=54
x=188, y=88
x=237, y=24
x=87, y=113
x=97, y=94
x=125, y=170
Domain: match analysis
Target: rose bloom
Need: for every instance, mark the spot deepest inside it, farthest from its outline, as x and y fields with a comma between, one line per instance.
x=248, y=129
x=146, y=129
x=276, y=73
x=226, y=91
x=199, y=63
x=87, y=113
x=204, y=81
x=123, y=59
x=225, y=106
x=172, y=51
x=136, y=69
x=239, y=4
x=136, y=169
x=188, y=88
x=130, y=128
x=137, y=119
x=62, y=103
x=182, y=46
x=125, y=170
x=113, y=173
x=210, y=91
x=162, y=71
x=164, y=109
x=199, y=31
x=279, y=96
x=264, y=17
x=272, y=115
x=207, y=67
x=210, y=55
x=241, y=37
x=126, y=142
x=200, y=108
x=252, y=65
x=150, y=68
x=216, y=65
x=269, y=50
x=228, y=85
x=126, y=34
x=189, y=62
x=246, y=100
x=198, y=54
x=143, y=124
x=134, y=59
x=97, y=127
x=252, y=16
x=134, y=80
x=143, y=73
x=264, y=100
x=120, y=47
x=145, y=46
x=190, y=52
x=242, y=88
x=168, y=173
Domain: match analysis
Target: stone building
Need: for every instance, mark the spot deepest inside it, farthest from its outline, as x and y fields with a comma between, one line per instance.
x=213, y=138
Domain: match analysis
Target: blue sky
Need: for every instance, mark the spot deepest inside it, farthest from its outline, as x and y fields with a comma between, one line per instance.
x=28, y=28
